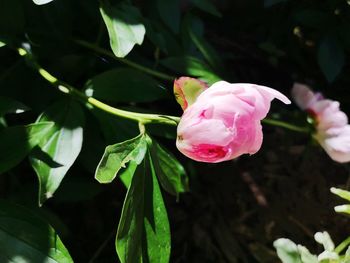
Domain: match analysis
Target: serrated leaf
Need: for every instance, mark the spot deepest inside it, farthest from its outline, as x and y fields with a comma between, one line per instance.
x=287, y=251
x=331, y=58
x=206, y=6
x=26, y=237
x=143, y=233
x=118, y=155
x=170, y=13
x=8, y=105
x=16, y=143
x=171, y=174
x=124, y=26
x=61, y=145
x=42, y=2
x=124, y=85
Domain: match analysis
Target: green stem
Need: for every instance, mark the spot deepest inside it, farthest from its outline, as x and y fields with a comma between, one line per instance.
x=66, y=88
x=285, y=125
x=342, y=245
x=124, y=60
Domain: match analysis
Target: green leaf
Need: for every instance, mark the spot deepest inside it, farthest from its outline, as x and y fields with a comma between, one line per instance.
x=287, y=251
x=341, y=193
x=191, y=66
x=16, y=143
x=208, y=52
x=42, y=2
x=8, y=105
x=169, y=12
x=171, y=174
x=206, y=6
x=60, y=147
x=143, y=233
x=342, y=209
x=118, y=155
x=331, y=58
x=124, y=26
x=2, y=44
x=26, y=237
x=124, y=85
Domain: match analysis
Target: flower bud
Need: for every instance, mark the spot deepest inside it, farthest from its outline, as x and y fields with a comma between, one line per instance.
x=224, y=121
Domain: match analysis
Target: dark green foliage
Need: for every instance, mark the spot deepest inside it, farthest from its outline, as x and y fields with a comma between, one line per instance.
x=127, y=54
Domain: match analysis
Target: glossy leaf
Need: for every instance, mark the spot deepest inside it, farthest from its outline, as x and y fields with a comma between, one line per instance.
x=60, y=147
x=287, y=251
x=207, y=6
x=124, y=85
x=118, y=155
x=124, y=26
x=191, y=66
x=170, y=13
x=171, y=174
x=16, y=143
x=143, y=232
x=331, y=58
x=8, y=105
x=42, y=2
x=26, y=237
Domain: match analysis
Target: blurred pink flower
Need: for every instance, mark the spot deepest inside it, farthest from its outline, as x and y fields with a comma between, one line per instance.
x=224, y=121
x=332, y=128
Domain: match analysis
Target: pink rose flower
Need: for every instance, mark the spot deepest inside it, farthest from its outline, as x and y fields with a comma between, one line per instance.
x=332, y=128
x=224, y=121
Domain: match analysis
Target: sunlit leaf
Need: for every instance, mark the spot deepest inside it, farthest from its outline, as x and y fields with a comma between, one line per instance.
x=26, y=237
x=16, y=143
x=60, y=147
x=124, y=26
x=170, y=172
x=143, y=232
x=118, y=155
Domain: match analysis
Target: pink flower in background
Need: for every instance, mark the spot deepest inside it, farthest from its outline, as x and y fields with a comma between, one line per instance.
x=224, y=121
x=332, y=128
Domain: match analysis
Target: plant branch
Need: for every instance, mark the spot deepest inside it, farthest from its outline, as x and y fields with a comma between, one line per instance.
x=68, y=89
x=285, y=125
x=342, y=245
x=125, y=61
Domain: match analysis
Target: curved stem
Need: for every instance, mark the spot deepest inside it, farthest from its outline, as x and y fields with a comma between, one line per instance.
x=285, y=125
x=66, y=88
x=342, y=245
x=124, y=60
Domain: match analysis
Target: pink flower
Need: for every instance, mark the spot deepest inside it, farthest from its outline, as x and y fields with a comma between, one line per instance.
x=332, y=128
x=224, y=121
